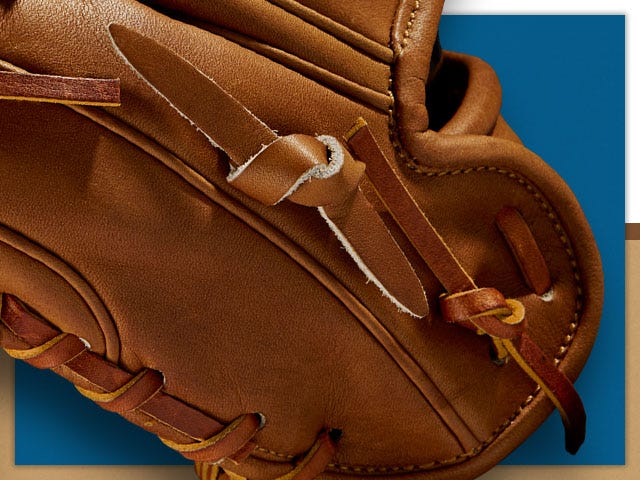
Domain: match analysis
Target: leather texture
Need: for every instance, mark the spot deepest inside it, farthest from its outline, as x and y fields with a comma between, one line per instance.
x=125, y=227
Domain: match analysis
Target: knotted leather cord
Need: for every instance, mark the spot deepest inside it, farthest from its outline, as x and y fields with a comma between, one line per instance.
x=512, y=338
x=139, y=398
x=308, y=467
x=316, y=172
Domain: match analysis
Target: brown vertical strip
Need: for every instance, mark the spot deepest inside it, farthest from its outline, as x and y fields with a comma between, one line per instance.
x=56, y=89
x=632, y=231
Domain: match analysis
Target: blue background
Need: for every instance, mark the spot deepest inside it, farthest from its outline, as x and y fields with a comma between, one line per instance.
x=563, y=93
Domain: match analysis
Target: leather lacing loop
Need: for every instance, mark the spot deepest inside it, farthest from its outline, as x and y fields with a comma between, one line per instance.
x=232, y=443
x=319, y=172
x=311, y=171
x=224, y=444
x=484, y=308
x=135, y=392
x=525, y=250
x=307, y=467
x=479, y=308
x=325, y=176
x=140, y=398
x=51, y=354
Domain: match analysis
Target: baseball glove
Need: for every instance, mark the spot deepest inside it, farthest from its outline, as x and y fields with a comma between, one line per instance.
x=293, y=239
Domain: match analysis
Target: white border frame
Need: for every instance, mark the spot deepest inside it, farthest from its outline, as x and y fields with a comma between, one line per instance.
x=631, y=470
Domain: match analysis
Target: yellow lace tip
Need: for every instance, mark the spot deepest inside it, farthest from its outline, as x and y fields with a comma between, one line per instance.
x=361, y=122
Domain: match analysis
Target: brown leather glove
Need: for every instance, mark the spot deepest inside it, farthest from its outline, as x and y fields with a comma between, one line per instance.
x=305, y=245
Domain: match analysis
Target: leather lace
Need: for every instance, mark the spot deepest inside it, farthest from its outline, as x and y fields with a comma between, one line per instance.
x=486, y=309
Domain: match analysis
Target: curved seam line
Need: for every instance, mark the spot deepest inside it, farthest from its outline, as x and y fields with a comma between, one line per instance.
x=407, y=31
x=185, y=172
x=374, y=43
x=412, y=164
x=69, y=281
x=573, y=326
x=267, y=47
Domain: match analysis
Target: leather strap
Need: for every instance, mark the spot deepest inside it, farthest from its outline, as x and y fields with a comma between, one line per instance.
x=310, y=171
x=318, y=172
x=406, y=212
x=57, y=89
x=51, y=354
x=131, y=395
x=269, y=168
x=139, y=398
x=525, y=250
x=223, y=444
x=479, y=305
x=556, y=386
x=316, y=459
x=307, y=468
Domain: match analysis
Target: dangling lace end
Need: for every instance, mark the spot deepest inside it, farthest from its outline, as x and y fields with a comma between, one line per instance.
x=102, y=92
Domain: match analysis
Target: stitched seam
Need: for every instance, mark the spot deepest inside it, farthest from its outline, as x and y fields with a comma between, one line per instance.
x=412, y=164
x=437, y=463
x=552, y=217
x=409, y=27
x=308, y=69
x=276, y=454
x=561, y=353
x=103, y=123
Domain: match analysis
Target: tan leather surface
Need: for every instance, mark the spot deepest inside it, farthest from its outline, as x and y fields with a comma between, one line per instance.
x=128, y=235
x=287, y=32
x=373, y=20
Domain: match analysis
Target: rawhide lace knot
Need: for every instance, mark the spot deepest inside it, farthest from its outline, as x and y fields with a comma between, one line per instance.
x=318, y=171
